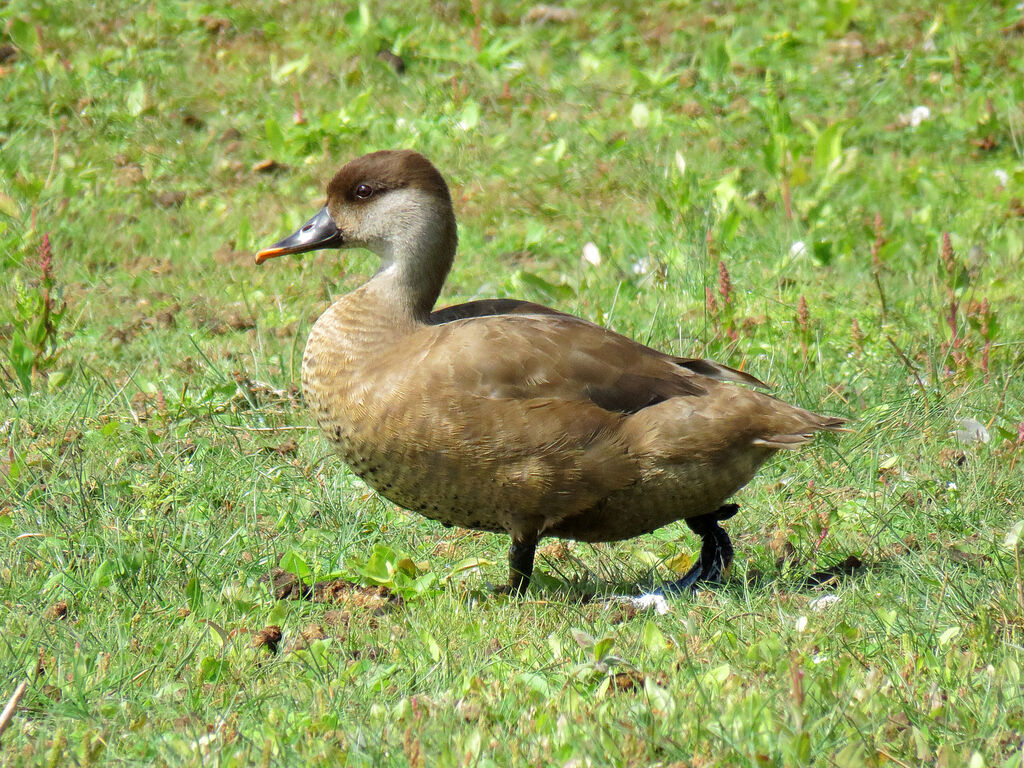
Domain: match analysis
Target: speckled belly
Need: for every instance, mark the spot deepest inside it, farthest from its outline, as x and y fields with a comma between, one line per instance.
x=422, y=481
x=433, y=491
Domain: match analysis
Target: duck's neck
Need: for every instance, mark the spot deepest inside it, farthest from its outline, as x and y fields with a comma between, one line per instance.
x=414, y=265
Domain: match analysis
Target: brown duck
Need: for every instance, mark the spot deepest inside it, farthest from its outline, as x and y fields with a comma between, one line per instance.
x=507, y=416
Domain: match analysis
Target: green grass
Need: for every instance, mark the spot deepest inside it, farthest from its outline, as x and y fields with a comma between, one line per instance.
x=163, y=463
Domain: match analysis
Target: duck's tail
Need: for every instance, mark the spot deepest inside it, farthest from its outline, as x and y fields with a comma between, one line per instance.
x=804, y=432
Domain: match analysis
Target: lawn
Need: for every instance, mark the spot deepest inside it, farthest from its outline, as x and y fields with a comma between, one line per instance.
x=826, y=194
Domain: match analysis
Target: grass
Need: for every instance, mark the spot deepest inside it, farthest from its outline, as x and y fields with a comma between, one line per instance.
x=760, y=190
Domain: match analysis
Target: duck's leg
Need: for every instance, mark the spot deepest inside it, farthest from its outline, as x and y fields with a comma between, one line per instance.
x=715, y=550
x=520, y=566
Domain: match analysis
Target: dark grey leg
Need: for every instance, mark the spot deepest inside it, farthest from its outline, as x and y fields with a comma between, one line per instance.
x=520, y=567
x=716, y=551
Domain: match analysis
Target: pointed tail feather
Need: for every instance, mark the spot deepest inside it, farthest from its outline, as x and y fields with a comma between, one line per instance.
x=796, y=439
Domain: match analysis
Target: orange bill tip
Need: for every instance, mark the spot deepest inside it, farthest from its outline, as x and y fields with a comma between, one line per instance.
x=268, y=253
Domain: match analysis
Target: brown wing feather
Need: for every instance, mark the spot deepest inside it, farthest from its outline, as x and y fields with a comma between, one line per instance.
x=714, y=370
x=602, y=364
x=553, y=356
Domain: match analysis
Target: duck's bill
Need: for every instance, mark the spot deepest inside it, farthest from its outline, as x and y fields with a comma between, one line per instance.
x=317, y=233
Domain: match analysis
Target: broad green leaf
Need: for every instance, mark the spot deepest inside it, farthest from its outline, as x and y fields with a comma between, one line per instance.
x=21, y=360
x=24, y=35
x=289, y=68
x=948, y=635
x=468, y=564
x=727, y=190
x=469, y=117
x=103, y=575
x=718, y=675
x=603, y=647
x=295, y=564
x=8, y=206
x=653, y=638
x=829, y=147
x=432, y=647
x=851, y=756
x=535, y=682
x=136, y=101
x=212, y=668
x=275, y=137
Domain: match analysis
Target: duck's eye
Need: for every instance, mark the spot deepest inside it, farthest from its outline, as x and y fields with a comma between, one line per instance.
x=363, y=191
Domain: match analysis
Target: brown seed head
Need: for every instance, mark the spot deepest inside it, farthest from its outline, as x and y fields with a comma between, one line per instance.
x=803, y=315
x=45, y=256
x=948, y=262
x=709, y=301
x=724, y=283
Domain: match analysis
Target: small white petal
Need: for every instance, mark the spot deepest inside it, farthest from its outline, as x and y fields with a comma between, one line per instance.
x=918, y=115
x=1003, y=176
x=591, y=254
x=801, y=624
x=823, y=602
x=640, y=115
x=681, y=163
x=798, y=248
x=819, y=657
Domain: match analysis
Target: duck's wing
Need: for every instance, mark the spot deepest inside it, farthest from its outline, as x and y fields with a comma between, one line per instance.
x=714, y=370
x=494, y=307
x=528, y=356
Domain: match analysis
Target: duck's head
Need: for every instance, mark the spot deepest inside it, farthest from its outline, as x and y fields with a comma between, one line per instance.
x=394, y=203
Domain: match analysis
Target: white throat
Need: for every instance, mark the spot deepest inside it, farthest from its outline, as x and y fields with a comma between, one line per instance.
x=414, y=235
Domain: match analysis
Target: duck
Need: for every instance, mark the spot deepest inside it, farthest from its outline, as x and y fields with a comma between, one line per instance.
x=508, y=416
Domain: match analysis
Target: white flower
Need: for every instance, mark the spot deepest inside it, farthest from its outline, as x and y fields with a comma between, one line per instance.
x=1003, y=176
x=591, y=254
x=916, y=116
x=801, y=624
x=798, y=248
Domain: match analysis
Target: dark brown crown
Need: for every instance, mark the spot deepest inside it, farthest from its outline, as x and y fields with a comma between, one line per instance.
x=385, y=171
